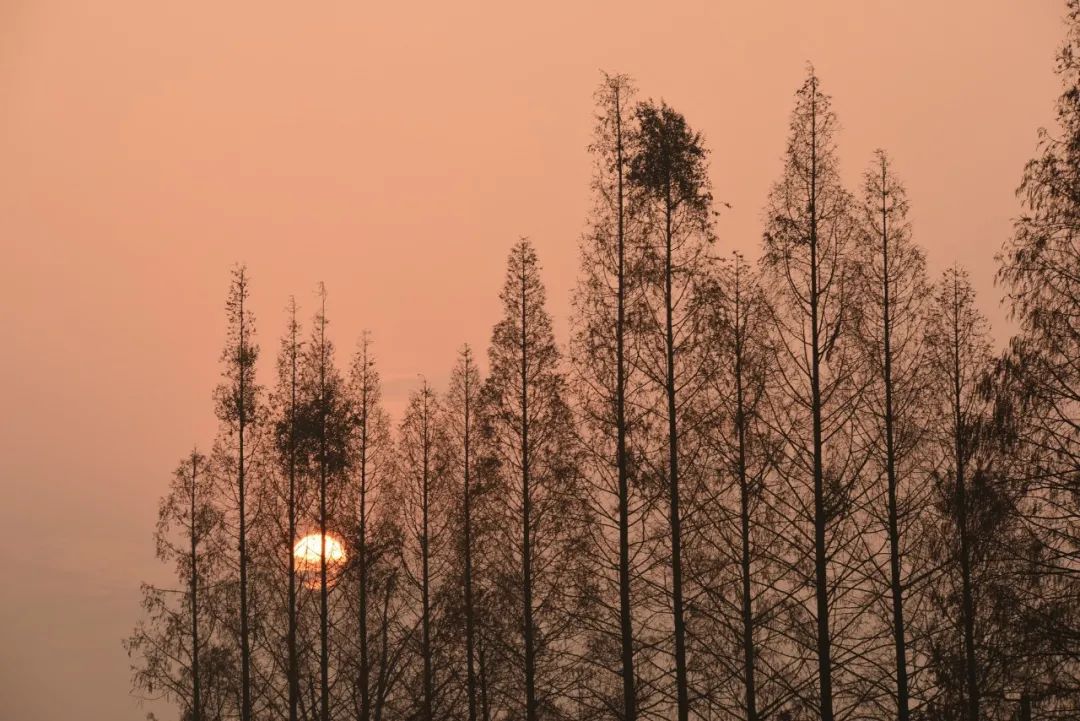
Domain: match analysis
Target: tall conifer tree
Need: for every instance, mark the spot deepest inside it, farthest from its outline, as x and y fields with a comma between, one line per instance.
x=807, y=267
x=668, y=171
x=528, y=438
x=892, y=273
x=610, y=252
x=238, y=407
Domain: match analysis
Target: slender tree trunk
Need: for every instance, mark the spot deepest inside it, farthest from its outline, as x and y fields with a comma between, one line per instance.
x=682, y=691
x=744, y=513
x=625, y=622
x=324, y=610
x=470, y=623
x=485, y=708
x=530, y=695
x=384, y=655
x=820, y=518
x=526, y=519
x=245, y=641
x=1025, y=707
x=968, y=610
x=361, y=554
x=429, y=686
x=294, y=662
x=196, y=691
x=896, y=583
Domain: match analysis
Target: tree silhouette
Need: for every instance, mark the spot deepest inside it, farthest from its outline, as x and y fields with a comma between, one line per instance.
x=372, y=465
x=959, y=355
x=238, y=407
x=180, y=656
x=611, y=252
x=668, y=170
x=1040, y=268
x=530, y=453
x=462, y=399
x=427, y=504
x=326, y=416
x=891, y=272
x=807, y=267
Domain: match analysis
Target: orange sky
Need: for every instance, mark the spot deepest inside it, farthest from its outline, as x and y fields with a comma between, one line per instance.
x=393, y=150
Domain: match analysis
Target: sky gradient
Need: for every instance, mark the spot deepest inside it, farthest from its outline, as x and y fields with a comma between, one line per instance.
x=394, y=151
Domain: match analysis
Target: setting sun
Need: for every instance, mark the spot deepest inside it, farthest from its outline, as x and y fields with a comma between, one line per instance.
x=308, y=552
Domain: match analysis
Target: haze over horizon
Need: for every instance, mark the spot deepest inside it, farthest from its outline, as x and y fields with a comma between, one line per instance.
x=395, y=153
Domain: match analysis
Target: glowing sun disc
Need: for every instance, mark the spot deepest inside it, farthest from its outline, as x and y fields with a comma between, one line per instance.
x=309, y=549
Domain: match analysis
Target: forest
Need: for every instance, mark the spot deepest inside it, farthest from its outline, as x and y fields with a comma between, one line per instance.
x=803, y=486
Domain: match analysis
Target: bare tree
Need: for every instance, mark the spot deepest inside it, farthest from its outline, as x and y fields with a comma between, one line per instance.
x=738, y=554
x=238, y=405
x=288, y=439
x=328, y=423
x=462, y=399
x=959, y=356
x=668, y=170
x=179, y=656
x=528, y=442
x=427, y=505
x=892, y=273
x=1040, y=267
x=807, y=267
x=372, y=464
x=610, y=254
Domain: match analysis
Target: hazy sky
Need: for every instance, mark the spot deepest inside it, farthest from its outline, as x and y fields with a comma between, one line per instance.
x=394, y=150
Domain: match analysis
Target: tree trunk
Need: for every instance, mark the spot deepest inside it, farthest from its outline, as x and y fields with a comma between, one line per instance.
x=744, y=514
x=361, y=553
x=896, y=583
x=196, y=705
x=245, y=643
x=485, y=708
x=820, y=519
x=294, y=661
x=384, y=655
x=683, y=696
x=470, y=623
x=324, y=611
x=425, y=589
x=967, y=612
x=526, y=520
x=625, y=622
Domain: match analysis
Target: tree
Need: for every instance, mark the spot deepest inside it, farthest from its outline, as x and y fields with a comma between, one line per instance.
x=327, y=420
x=1040, y=267
x=288, y=432
x=959, y=357
x=372, y=462
x=806, y=265
x=996, y=609
x=462, y=400
x=1018, y=600
x=426, y=501
x=892, y=273
x=610, y=252
x=668, y=170
x=179, y=656
x=238, y=407
x=742, y=540
x=528, y=443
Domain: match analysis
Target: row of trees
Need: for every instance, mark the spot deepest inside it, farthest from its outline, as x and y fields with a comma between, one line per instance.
x=805, y=488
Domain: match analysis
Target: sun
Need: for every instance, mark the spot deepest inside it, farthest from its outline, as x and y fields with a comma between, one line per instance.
x=308, y=554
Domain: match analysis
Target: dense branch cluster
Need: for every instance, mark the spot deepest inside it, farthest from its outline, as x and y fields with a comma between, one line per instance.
x=802, y=488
